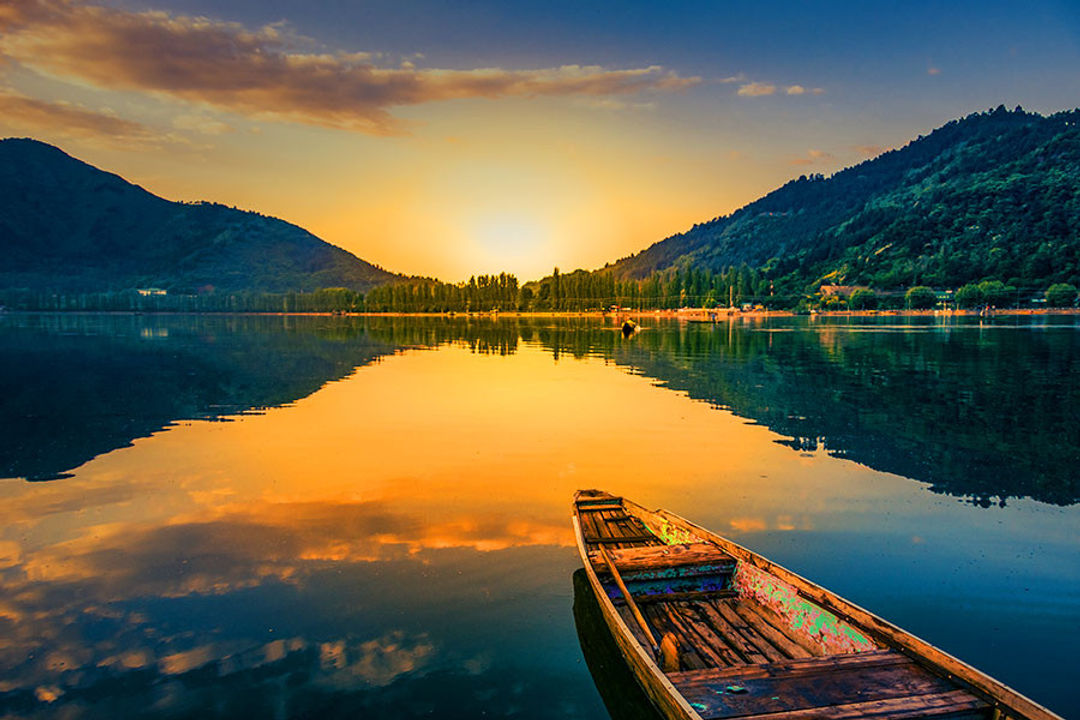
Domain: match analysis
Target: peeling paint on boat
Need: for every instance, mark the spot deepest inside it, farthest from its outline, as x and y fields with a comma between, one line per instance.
x=674, y=535
x=819, y=625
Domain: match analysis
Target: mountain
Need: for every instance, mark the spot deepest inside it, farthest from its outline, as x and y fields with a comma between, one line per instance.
x=68, y=226
x=995, y=195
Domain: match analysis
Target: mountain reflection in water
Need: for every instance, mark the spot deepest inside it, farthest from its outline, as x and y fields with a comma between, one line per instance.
x=382, y=527
x=986, y=411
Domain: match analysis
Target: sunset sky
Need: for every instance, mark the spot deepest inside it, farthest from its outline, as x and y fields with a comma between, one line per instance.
x=449, y=139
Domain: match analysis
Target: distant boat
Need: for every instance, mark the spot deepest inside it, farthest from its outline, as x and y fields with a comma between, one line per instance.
x=710, y=629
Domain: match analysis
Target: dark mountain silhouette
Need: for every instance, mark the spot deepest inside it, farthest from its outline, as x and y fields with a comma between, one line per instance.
x=995, y=195
x=68, y=226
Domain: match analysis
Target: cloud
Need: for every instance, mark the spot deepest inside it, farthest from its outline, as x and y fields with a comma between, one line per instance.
x=800, y=90
x=811, y=157
x=933, y=71
x=256, y=73
x=19, y=112
x=756, y=89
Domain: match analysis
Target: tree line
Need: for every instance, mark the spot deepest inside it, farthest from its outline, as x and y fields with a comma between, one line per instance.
x=579, y=291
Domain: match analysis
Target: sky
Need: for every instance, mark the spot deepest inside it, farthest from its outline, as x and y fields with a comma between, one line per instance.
x=455, y=138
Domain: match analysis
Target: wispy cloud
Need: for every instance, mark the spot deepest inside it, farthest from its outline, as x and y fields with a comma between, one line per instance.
x=812, y=157
x=933, y=70
x=800, y=90
x=757, y=89
x=22, y=113
x=762, y=89
x=257, y=73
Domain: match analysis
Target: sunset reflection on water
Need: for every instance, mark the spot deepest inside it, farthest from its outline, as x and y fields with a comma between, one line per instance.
x=404, y=532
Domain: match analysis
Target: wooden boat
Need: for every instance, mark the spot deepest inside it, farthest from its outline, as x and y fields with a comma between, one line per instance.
x=712, y=630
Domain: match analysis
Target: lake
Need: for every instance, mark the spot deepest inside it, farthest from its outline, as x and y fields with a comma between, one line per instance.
x=233, y=516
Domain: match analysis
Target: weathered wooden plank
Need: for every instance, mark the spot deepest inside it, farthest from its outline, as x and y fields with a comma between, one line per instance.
x=599, y=506
x=624, y=528
x=698, y=635
x=753, y=616
x=628, y=617
x=686, y=639
x=801, y=666
x=591, y=525
x=630, y=529
x=946, y=704
x=609, y=528
x=584, y=498
x=689, y=656
x=746, y=650
x=766, y=648
x=665, y=556
x=599, y=539
x=854, y=684
x=806, y=667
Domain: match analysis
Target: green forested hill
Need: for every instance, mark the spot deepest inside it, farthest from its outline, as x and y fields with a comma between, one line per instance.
x=993, y=196
x=67, y=226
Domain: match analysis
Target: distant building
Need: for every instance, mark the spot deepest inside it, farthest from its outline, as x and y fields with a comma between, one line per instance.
x=151, y=291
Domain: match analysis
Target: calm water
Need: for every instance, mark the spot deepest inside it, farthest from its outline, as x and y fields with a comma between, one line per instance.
x=319, y=517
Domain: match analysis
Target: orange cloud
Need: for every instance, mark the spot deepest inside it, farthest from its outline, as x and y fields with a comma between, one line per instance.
x=17, y=111
x=254, y=73
x=247, y=544
x=756, y=89
x=811, y=157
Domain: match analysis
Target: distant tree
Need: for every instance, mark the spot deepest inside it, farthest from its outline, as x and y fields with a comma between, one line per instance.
x=968, y=296
x=863, y=299
x=995, y=292
x=920, y=297
x=1061, y=295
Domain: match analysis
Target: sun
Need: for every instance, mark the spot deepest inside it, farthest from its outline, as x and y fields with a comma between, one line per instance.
x=511, y=239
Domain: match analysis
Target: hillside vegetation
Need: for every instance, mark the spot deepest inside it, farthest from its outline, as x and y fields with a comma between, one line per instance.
x=993, y=196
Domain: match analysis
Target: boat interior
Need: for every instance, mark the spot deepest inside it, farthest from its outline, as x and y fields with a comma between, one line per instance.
x=731, y=651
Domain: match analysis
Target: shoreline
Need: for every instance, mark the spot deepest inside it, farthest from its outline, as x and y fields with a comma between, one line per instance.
x=685, y=314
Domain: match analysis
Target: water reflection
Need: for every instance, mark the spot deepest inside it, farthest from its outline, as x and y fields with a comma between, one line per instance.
x=77, y=386
x=983, y=411
x=397, y=543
